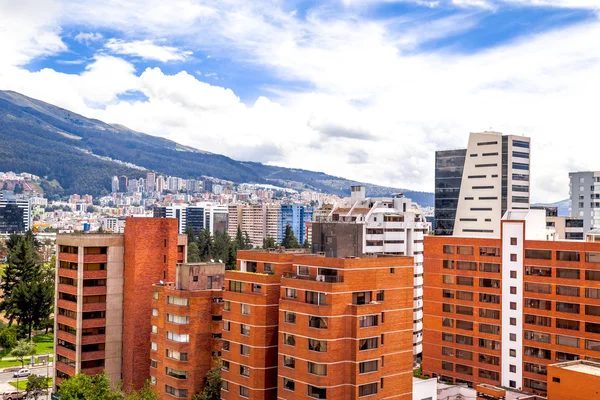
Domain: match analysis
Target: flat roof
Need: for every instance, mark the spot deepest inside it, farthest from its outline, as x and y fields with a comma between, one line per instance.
x=583, y=367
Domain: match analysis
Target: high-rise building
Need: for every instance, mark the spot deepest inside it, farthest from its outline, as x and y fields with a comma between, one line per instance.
x=301, y=326
x=500, y=310
x=370, y=226
x=569, y=228
x=207, y=185
x=123, y=184
x=584, y=201
x=234, y=214
x=104, y=285
x=15, y=213
x=475, y=186
x=209, y=216
x=186, y=329
x=133, y=186
x=150, y=181
x=115, y=184
x=296, y=216
x=160, y=184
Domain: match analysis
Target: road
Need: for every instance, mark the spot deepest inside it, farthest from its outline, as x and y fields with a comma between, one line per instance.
x=7, y=376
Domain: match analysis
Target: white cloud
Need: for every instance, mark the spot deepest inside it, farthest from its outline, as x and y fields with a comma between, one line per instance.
x=87, y=37
x=367, y=79
x=147, y=49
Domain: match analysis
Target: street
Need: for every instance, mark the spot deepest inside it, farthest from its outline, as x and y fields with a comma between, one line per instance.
x=6, y=377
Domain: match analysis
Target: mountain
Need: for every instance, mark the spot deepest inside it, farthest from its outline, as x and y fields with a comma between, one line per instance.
x=75, y=154
x=562, y=205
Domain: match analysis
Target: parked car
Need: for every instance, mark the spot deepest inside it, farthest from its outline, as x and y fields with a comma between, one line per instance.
x=13, y=395
x=22, y=373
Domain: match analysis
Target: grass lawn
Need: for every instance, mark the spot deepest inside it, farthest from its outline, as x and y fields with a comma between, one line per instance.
x=44, y=344
x=23, y=383
x=15, y=363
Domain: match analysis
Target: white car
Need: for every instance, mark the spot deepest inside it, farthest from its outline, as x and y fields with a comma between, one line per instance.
x=22, y=373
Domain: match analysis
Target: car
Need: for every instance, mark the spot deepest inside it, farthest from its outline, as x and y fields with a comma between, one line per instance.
x=13, y=395
x=22, y=373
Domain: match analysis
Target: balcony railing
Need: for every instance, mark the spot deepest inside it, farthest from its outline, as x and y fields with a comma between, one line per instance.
x=315, y=278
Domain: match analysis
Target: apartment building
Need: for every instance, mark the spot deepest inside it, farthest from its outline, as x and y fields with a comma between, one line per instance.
x=565, y=228
x=104, y=285
x=15, y=213
x=186, y=329
x=260, y=222
x=475, y=186
x=584, y=198
x=297, y=326
x=209, y=216
x=296, y=216
x=498, y=311
x=371, y=226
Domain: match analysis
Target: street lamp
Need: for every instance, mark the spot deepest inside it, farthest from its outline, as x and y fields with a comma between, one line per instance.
x=47, y=369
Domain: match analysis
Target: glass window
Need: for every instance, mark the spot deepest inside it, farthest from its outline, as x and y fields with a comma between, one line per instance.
x=567, y=324
x=464, y=250
x=368, y=366
x=448, y=249
x=244, y=329
x=537, y=336
x=317, y=393
x=289, y=384
x=289, y=362
x=567, y=341
x=368, y=344
x=317, y=369
x=538, y=254
x=291, y=293
x=567, y=255
x=367, y=390
x=317, y=345
x=565, y=273
x=567, y=290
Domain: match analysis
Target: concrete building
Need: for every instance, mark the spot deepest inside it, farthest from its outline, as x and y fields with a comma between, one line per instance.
x=115, y=184
x=260, y=222
x=15, y=213
x=299, y=326
x=186, y=329
x=574, y=380
x=296, y=216
x=208, y=216
x=150, y=182
x=475, y=186
x=566, y=228
x=104, y=285
x=371, y=226
x=123, y=184
x=584, y=198
x=500, y=310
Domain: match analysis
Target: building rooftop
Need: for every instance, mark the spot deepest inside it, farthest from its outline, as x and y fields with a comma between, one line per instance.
x=584, y=367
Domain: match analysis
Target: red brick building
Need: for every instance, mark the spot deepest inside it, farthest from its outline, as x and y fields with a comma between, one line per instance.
x=186, y=329
x=301, y=326
x=499, y=311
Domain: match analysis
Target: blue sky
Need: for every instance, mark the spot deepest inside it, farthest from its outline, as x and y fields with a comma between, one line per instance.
x=363, y=89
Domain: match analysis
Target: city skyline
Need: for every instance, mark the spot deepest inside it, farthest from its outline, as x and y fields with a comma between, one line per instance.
x=365, y=90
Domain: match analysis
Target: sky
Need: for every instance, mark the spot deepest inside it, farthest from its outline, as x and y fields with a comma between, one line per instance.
x=363, y=89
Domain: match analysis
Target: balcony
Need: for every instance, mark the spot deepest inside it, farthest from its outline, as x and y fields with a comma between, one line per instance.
x=92, y=371
x=93, y=323
x=69, y=337
x=93, y=355
x=93, y=339
x=96, y=274
x=67, y=273
x=94, y=307
x=65, y=368
x=315, y=278
x=68, y=257
x=63, y=351
x=62, y=319
x=95, y=258
x=67, y=305
x=94, y=290
x=67, y=289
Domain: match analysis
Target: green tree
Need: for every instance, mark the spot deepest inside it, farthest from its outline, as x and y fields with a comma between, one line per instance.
x=145, y=393
x=37, y=385
x=23, y=349
x=221, y=245
x=231, y=259
x=247, y=242
x=240, y=243
x=33, y=300
x=205, y=244
x=269, y=243
x=8, y=337
x=90, y=209
x=189, y=231
x=289, y=240
x=87, y=387
x=212, y=385
x=193, y=252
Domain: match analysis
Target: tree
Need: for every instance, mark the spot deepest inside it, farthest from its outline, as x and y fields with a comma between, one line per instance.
x=289, y=240
x=189, y=231
x=145, y=393
x=240, y=243
x=33, y=300
x=23, y=349
x=269, y=243
x=87, y=387
x=221, y=245
x=8, y=337
x=212, y=385
x=205, y=244
x=37, y=385
x=247, y=242
x=193, y=252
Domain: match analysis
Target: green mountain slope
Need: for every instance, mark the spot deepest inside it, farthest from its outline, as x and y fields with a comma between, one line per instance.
x=55, y=143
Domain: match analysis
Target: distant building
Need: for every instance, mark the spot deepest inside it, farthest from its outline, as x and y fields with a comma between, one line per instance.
x=160, y=184
x=475, y=186
x=186, y=329
x=207, y=186
x=150, y=181
x=584, y=201
x=296, y=216
x=115, y=184
x=208, y=216
x=565, y=228
x=123, y=184
x=15, y=213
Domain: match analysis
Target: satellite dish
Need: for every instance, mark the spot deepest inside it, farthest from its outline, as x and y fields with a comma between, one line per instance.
x=161, y=282
x=211, y=260
x=221, y=261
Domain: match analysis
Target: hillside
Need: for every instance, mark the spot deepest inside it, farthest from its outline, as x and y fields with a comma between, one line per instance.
x=83, y=154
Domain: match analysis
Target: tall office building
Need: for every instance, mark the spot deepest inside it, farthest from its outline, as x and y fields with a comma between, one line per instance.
x=115, y=184
x=475, y=186
x=186, y=329
x=296, y=216
x=104, y=285
x=584, y=198
x=500, y=310
x=150, y=181
x=160, y=184
x=370, y=226
x=299, y=326
x=15, y=213
x=207, y=185
x=209, y=216
x=123, y=184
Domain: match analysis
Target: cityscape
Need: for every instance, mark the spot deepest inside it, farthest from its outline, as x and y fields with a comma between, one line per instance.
x=193, y=205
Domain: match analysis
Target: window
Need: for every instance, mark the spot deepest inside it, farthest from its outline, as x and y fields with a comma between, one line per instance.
x=567, y=324
x=367, y=344
x=535, y=368
x=245, y=309
x=226, y=326
x=448, y=264
x=567, y=291
x=317, y=322
x=567, y=307
x=448, y=279
x=592, y=310
x=513, y=257
x=489, y=283
x=537, y=352
x=538, y=254
x=537, y=320
x=225, y=345
x=449, y=308
x=489, y=251
x=392, y=271
x=561, y=356
x=513, y=337
x=226, y=305
x=521, y=166
x=448, y=249
x=448, y=366
x=289, y=340
x=178, y=337
x=380, y=295
x=289, y=362
x=176, y=373
x=537, y=336
x=178, y=319
x=567, y=256
x=317, y=393
x=538, y=271
x=513, y=274
x=154, y=329
x=489, y=267
x=303, y=270
x=447, y=337
x=513, y=290
x=448, y=322
x=464, y=280
x=512, y=368
x=592, y=327
x=538, y=288
x=317, y=345
x=466, y=340
x=463, y=369
x=567, y=273
x=291, y=293
x=592, y=275
x=487, y=313
x=315, y=298
x=244, y=350
x=289, y=317
x=464, y=250
x=466, y=266
x=592, y=293
x=567, y=341
x=492, y=329
x=289, y=384
x=592, y=257
x=244, y=391
x=488, y=359
x=244, y=370
x=448, y=351
x=530, y=383
x=512, y=352
x=368, y=321
x=489, y=298
x=464, y=355
x=367, y=390
x=448, y=294
x=154, y=346
x=593, y=345
x=180, y=393
x=268, y=268
x=245, y=330
x=175, y=355
x=178, y=301
x=538, y=304
x=513, y=305
x=317, y=369
x=491, y=375
x=235, y=286
x=465, y=325
x=464, y=310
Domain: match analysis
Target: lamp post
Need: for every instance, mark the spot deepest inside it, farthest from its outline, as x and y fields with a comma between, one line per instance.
x=47, y=373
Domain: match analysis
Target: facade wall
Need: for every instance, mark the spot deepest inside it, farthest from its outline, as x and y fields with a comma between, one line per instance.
x=152, y=250
x=584, y=198
x=559, y=301
x=566, y=383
